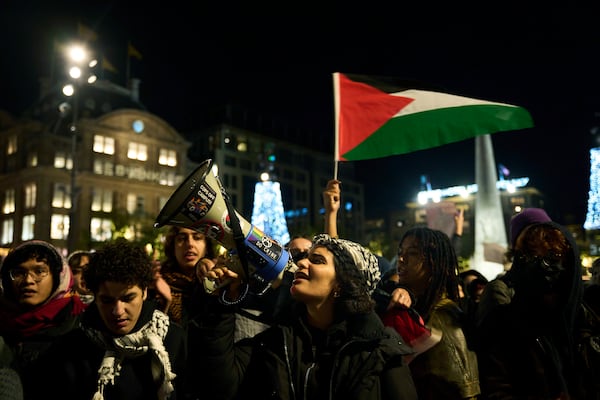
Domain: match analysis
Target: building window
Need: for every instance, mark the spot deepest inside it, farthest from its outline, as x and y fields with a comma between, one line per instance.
x=8, y=231
x=32, y=159
x=101, y=229
x=12, y=145
x=9, y=201
x=137, y=151
x=104, y=144
x=167, y=179
x=103, y=167
x=135, y=204
x=30, y=195
x=59, y=228
x=28, y=227
x=61, y=196
x=167, y=157
x=102, y=200
x=62, y=160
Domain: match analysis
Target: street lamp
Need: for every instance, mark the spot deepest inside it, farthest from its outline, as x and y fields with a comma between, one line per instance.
x=77, y=58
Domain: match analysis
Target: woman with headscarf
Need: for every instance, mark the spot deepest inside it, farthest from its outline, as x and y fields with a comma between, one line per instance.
x=333, y=345
x=37, y=307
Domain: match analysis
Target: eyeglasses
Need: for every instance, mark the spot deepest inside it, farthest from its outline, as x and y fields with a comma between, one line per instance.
x=20, y=274
x=298, y=254
x=545, y=261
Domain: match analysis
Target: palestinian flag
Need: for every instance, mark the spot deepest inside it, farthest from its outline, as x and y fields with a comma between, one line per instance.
x=376, y=118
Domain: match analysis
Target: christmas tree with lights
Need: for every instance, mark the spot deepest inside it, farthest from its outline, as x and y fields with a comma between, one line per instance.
x=268, y=214
x=592, y=220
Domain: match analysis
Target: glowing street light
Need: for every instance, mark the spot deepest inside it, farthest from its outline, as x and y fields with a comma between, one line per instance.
x=78, y=64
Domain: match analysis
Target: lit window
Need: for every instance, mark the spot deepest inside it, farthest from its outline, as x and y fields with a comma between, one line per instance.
x=101, y=229
x=104, y=144
x=59, y=228
x=12, y=145
x=108, y=168
x=8, y=231
x=9, y=201
x=61, y=196
x=32, y=159
x=102, y=200
x=103, y=167
x=30, y=195
x=135, y=203
x=28, y=227
x=167, y=179
x=137, y=151
x=60, y=160
x=167, y=157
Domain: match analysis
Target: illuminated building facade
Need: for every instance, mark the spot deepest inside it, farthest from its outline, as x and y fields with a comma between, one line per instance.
x=128, y=163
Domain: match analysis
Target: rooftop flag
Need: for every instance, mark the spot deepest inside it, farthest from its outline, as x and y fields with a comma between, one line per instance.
x=133, y=52
x=376, y=117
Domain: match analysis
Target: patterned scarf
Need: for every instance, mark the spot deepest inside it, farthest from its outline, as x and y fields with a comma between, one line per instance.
x=182, y=287
x=149, y=338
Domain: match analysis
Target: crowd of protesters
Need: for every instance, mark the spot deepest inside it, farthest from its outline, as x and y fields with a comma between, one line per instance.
x=114, y=324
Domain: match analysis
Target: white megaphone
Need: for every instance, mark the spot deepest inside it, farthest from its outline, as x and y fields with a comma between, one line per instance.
x=200, y=203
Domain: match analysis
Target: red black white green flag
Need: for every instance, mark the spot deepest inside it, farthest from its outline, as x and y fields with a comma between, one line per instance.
x=376, y=117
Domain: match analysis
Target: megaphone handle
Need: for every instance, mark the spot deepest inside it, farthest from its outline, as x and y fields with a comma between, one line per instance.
x=238, y=235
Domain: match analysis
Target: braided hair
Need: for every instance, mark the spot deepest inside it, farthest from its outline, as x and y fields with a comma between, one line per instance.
x=439, y=254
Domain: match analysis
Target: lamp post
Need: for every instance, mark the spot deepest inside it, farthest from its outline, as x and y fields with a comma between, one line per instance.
x=78, y=59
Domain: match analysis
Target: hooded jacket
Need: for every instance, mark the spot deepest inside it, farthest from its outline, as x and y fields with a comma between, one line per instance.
x=526, y=350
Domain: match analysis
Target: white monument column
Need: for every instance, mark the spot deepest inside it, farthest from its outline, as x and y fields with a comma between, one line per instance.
x=490, y=232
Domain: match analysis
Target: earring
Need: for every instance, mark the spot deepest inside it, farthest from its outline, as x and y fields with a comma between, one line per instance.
x=336, y=294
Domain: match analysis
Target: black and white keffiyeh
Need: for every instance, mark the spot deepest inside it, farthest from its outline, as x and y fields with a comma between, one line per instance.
x=351, y=253
x=149, y=338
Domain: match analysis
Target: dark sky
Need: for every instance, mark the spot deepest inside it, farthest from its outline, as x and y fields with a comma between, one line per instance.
x=278, y=58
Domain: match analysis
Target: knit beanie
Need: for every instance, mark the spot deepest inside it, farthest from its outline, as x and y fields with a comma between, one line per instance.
x=522, y=220
x=61, y=275
x=348, y=254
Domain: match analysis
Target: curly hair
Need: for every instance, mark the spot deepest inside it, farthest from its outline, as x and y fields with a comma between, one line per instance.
x=170, y=263
x=354, y=296
x=356, y=269
x=439, y=254
x=119, y=261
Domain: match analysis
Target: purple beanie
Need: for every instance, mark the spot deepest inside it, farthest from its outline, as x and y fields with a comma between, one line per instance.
x=528, y=216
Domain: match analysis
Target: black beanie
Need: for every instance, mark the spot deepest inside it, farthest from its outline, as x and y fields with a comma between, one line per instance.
x=24, y=252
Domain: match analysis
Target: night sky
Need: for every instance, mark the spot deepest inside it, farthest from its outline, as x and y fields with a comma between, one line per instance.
x=277, y=59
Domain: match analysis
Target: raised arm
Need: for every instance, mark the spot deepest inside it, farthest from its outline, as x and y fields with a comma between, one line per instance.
x=331, y=202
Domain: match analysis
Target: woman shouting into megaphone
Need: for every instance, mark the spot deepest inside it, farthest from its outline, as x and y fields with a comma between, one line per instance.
x=331, y=345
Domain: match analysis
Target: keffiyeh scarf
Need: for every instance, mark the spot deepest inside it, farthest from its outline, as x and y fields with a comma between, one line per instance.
x=149, y=338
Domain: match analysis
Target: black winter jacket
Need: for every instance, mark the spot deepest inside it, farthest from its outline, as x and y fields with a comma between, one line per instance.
x=355, y=359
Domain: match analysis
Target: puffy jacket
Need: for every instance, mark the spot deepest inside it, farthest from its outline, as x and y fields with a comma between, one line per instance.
x=354, y=359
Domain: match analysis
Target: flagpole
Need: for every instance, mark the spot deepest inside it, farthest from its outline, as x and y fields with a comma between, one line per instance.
x=336, y=105
x=127, y=72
